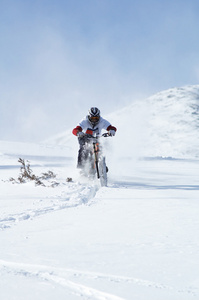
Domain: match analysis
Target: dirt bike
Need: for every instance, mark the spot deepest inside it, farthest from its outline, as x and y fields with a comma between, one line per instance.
x=94, y=162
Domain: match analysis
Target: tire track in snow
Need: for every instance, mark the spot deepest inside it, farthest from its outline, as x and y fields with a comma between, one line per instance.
x=44, y=275
x=82, y=290
x=52, y=274
x=78, y=195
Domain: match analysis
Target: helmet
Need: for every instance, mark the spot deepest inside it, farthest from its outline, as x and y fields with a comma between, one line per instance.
x=94, y=115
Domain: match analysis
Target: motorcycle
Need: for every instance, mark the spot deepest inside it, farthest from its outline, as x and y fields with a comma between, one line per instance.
x=94, y=162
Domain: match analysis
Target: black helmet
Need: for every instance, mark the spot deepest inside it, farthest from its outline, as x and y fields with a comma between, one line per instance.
x=94, y=115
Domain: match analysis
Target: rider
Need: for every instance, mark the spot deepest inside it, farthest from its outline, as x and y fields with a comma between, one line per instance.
x=93, y=123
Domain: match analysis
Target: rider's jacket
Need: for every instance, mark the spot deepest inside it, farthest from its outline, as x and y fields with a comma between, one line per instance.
x=87, y=127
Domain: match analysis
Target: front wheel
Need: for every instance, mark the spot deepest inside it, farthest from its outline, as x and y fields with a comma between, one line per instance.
x=103, y=172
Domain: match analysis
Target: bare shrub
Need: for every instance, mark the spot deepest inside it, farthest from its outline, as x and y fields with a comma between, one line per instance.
x=26, y=175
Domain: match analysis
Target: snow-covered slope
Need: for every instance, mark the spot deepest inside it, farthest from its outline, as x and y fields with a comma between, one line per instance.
x=174, y=122
x=135, y=239
x=166, y=124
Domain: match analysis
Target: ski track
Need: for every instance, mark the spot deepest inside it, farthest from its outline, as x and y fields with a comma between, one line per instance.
x=56, y=275
x=83, y=193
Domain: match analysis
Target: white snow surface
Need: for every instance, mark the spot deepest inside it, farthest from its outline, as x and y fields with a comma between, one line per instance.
x=135, y=239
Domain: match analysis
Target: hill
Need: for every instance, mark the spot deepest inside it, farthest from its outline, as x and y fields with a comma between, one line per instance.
x=165, y=124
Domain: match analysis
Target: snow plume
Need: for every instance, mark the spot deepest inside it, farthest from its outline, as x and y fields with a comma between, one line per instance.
x=123, y=150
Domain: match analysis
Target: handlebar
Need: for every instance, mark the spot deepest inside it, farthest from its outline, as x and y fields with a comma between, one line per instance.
x=90, y=136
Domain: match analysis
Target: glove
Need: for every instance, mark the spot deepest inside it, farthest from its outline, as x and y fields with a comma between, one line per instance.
x=111, y=132
x=80, y=134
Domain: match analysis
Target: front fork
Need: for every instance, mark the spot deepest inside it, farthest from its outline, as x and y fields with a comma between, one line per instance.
x=96, y=151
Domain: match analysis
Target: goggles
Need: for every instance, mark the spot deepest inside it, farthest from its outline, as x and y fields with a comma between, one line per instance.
x=94, y=119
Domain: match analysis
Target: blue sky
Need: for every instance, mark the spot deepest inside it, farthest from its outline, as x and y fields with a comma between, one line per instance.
x=58, y=58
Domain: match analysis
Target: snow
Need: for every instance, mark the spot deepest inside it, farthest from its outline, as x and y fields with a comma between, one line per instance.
x=135, y=239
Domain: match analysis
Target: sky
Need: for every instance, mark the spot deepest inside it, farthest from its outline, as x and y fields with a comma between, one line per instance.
x=60, y=57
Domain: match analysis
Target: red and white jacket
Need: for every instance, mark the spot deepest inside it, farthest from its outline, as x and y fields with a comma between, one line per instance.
x=86, y=127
